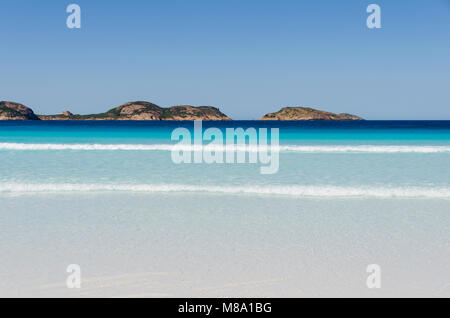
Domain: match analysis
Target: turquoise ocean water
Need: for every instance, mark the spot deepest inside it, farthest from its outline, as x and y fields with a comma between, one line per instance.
x=107, y=196
x=364, y=158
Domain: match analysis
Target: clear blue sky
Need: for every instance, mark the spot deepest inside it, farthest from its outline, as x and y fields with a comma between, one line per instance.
x=248, y=57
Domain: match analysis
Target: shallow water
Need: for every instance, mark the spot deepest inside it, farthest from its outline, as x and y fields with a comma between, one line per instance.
x=185, y=245
x=108, y=197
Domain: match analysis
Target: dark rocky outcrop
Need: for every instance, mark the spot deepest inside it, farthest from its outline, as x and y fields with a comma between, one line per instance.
x=187, y=112
x=66, y=115
x=15, y=111
x=306, y=113
x=147, y=111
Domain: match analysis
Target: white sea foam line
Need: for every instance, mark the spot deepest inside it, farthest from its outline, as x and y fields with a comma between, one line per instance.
x=248, y=148
x=295, y=191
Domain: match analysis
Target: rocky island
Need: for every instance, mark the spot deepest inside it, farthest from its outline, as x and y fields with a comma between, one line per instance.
x=149, y=111
x=306, y=113
x=128, y=111
x=15, y=111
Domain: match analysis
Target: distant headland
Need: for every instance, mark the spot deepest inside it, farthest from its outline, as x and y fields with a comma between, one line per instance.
x=306, y=113
x=147, y=111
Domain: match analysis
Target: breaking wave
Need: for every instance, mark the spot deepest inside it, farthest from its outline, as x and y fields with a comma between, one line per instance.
x=293, y=191
x=248, y=148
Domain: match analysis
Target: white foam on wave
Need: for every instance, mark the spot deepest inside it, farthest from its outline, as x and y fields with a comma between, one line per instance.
x=293, y=191
x=86, y=147
x=247, y=148
x=366, y=149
